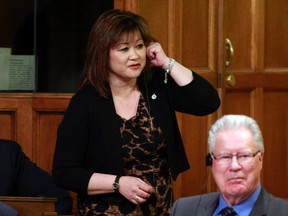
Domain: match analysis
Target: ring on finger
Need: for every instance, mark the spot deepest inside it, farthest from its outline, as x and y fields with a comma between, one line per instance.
x=137, y=198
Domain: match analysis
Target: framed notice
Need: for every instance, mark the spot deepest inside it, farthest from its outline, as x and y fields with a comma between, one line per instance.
x=17, y=72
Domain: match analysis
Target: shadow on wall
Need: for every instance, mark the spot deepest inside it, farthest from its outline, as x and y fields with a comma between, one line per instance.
x=57, y=32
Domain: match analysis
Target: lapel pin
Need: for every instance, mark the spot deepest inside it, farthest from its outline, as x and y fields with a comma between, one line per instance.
x=154, y=96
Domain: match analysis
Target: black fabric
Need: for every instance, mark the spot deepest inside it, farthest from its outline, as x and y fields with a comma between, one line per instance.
x=21, y=177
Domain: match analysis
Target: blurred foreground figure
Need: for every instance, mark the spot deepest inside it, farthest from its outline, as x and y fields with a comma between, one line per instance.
x=21, y=177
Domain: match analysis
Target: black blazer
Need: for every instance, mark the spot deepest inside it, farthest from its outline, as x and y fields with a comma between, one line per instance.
x=21, y=177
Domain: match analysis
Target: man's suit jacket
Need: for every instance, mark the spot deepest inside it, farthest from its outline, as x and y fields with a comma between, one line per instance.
x=204, y=205
x=6, y=210
x=21, y=177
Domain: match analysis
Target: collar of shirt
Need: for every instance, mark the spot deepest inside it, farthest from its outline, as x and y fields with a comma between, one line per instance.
x=244, y=208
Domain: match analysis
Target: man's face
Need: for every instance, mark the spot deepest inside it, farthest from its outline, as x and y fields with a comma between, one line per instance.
x=236, y=178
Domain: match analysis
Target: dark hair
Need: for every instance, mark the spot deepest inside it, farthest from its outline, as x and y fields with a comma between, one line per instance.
x=106, y=32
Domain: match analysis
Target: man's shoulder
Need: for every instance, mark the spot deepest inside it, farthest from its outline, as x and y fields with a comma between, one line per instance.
x=9, y=145
x=270, y=205
x=203, y=204
x=278, y=203
x=7, y=210
x=193, y=202
x=199, y=198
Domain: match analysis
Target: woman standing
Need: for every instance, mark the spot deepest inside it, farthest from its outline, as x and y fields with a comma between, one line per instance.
x=119, y=145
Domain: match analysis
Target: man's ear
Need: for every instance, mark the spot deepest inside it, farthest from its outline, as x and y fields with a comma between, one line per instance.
x=261, y=158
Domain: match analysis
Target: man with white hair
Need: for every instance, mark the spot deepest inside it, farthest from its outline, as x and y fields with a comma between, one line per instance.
x=237, y=150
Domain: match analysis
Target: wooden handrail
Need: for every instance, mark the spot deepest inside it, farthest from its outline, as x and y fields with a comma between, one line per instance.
x=31, y=206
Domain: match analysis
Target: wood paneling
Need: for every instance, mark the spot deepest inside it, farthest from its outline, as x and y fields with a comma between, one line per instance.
x=31, y=206
x=275, y=97
x=275, y=132
x=48, y=111
x=16, y=119
x=32, y=120
x=7, y=122
x=194, y=133
x=276, y=34
x=195, y=47
x=243, y=97
x=237, y=24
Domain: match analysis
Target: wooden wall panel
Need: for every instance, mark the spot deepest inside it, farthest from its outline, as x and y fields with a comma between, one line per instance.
x=196, y=47
x=17, y=124
x=275, y=132
x=155, y=12
x=276, y=33
x=238, y=102
x=194, y=133
x=275, y=97
x=7, y=123
x=198, y=51
x=48, y=111
x=46, y=126
x=32, y=120
x=238, y=25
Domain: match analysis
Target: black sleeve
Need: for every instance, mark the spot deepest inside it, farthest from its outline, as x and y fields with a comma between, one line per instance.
x=198, y=97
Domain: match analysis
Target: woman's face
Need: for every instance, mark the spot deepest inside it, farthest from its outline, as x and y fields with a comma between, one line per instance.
x=128, y=58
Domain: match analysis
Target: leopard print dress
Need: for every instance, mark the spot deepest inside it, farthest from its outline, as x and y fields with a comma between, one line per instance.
x=144, y=153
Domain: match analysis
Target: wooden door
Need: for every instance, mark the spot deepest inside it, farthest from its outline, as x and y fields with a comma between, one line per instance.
x=258, y=32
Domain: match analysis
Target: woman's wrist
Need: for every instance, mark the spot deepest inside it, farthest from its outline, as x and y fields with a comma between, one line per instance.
x=169, y=69
x=115, y=184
